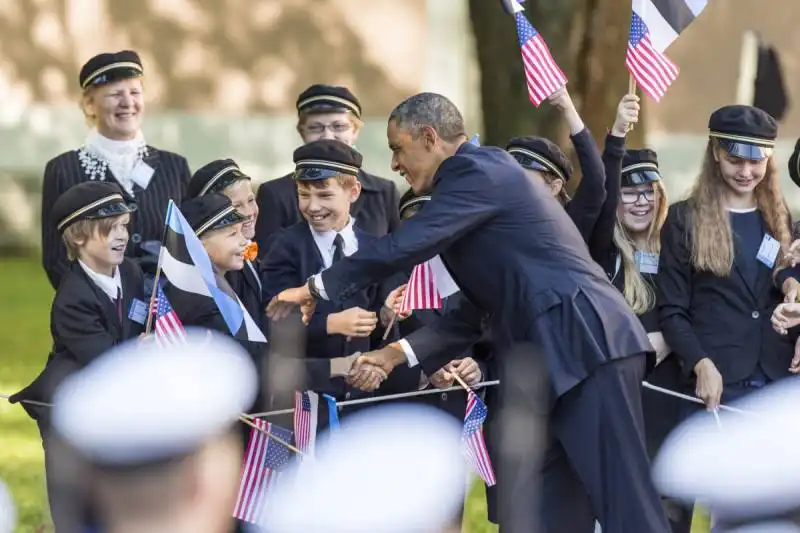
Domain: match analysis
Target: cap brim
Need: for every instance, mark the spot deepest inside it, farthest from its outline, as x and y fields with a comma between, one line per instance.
x=750, y=152
x=110, y=76
x=530, y=163
x=229, y=219
x=633, y=179
x=317, y=174
x=113, y=210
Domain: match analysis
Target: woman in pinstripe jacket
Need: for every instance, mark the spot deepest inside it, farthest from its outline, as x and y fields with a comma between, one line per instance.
x=115, y=150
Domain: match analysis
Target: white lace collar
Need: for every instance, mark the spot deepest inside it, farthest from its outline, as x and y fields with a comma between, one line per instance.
x=100, y=153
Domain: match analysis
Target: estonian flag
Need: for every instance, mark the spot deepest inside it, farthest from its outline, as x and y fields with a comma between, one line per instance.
x=187, y=266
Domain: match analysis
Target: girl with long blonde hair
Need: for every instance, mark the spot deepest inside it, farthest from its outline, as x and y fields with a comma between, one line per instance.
x=723, y=259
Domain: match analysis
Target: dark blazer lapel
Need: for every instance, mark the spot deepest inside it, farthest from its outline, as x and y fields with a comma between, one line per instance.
x=153, y=158
x=742, y=277
x=251, y=276
x=310, y=246
x=109, y=309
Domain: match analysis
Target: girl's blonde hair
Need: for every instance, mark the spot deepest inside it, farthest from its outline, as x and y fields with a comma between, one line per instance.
x=711, y=235
x=637, y=292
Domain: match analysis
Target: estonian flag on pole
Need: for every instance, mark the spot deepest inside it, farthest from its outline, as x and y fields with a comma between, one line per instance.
x=185, y=263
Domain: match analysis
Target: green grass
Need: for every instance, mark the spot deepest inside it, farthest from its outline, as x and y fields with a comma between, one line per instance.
x=25, y=297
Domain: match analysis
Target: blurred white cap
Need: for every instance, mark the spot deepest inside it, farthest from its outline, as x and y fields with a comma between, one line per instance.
x=141, y=402
x=390, y=469
x=8, y=512
x=747, y=466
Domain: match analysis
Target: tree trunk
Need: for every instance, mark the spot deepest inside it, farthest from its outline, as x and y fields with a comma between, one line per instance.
x=587, y=38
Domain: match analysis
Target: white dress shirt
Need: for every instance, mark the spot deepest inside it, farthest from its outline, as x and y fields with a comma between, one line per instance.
x=325, y=245
x=111, y=285
x=324, y=242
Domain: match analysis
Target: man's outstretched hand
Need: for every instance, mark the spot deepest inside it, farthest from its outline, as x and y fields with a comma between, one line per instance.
x=384, y=360
x=286, y=301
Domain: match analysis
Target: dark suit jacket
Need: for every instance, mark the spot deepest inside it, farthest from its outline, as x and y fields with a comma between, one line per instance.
x=725, y=319
x=515, y=253
x=375, y=211
x=84, y=324
x=246, y=283
x=147, y=222
x=291, y=261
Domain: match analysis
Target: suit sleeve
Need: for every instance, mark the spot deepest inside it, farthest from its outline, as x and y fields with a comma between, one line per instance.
x=458, y=205
x=79, y=328
x=270, y=217
x=601, y=240
x=452, y=333
x=54, y=254
x=586, y=205
x=674, y=284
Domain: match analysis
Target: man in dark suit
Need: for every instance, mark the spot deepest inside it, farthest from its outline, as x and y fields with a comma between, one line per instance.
x=515, y=254
x=326, y=112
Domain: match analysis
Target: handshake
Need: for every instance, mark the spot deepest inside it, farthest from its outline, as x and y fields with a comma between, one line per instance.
x=367, y=371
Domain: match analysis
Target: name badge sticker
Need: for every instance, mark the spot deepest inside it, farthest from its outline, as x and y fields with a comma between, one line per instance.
x=646, y=262
x=768, y=251
x=138, y=311
x=142, y=173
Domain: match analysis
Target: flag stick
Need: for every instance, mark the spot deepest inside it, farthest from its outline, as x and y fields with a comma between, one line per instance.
x=391, y=323
x=631, y=90
x=270, y=435
x=150, y=313
x=462, y=382
x=631, y=84
x=31, y=402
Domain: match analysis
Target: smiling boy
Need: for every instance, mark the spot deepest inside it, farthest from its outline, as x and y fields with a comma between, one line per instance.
x=327, y=186
x=224, y=176
x=99, y=304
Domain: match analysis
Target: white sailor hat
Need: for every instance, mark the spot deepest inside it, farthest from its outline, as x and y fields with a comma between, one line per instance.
x=141, y=403
x=409, y=469
x=745, y=467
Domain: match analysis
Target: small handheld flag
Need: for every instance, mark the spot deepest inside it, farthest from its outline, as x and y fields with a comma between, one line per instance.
x=306, y=408
x=421, y=292
x=169, y=328
x=655, y=24
x=264, y=460
x=542, y=74
x=472, y=439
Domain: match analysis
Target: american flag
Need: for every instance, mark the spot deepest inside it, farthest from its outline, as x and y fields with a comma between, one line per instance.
x=263, y=463
x=651, y=69
x=472, y=439
x=305, y=420
x=421, y=292
x=169, y=328
x=541, y=71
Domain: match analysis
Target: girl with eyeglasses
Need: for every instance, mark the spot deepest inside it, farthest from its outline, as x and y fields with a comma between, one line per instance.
x=626, y=243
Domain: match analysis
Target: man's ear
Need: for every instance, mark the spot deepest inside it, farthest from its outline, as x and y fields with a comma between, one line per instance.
x=429, y=137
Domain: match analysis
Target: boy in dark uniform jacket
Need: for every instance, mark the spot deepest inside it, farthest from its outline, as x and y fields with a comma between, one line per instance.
x=225, y=177
x=327, y=186
x=99, y=304
x=327, y=112
x=218, y=226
